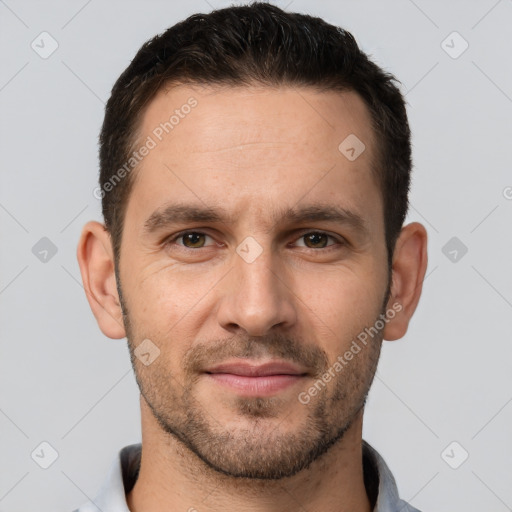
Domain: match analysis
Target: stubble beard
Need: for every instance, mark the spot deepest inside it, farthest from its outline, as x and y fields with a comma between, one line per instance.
x=260, y=449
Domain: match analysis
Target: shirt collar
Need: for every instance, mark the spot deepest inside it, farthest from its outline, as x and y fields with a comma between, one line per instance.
x=124, y=471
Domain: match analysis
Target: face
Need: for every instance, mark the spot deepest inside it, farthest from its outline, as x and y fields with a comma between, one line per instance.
x=253, y=255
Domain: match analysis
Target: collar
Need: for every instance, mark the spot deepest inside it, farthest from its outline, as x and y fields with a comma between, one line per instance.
x=379, y=482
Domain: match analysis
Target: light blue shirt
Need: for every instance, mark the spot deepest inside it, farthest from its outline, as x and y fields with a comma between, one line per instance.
x=124, y=471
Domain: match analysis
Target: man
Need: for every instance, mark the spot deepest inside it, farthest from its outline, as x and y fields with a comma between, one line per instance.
x=255, y=168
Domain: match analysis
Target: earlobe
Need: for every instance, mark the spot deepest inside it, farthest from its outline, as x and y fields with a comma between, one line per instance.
x=409, y=268
x=96, y=261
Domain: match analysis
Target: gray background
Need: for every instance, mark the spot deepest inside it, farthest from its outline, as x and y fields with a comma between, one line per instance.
x=449, y=379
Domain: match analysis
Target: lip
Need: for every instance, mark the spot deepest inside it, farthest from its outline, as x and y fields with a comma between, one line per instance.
x=247, y=368
x=248, y=378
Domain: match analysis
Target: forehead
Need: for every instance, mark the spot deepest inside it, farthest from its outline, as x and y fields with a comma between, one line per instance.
x=262, y=146
x=239, y=114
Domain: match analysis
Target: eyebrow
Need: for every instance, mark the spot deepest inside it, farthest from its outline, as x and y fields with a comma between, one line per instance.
x=182, y=213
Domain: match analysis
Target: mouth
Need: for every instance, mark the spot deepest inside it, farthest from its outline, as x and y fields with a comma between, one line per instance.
x=252, y=378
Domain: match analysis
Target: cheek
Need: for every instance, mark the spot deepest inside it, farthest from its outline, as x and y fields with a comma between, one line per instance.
x=158, y=312
x=340, y=305
x=162, y=295
x=344, y=292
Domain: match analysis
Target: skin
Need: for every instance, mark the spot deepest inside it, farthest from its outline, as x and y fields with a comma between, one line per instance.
x=253, y=151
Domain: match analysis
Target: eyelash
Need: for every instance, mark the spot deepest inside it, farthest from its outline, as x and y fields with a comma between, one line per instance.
x=181, y=234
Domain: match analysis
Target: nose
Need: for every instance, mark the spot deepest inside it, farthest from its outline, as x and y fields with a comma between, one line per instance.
x=256, y=296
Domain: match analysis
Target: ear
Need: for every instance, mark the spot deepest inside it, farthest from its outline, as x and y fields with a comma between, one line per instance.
x=408, y=272
x=95, y=257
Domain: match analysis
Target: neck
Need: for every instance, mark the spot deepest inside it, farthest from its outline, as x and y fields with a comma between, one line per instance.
x=172, y=478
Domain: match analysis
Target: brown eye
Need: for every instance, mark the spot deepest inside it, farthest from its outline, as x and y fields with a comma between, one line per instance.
x=191, y=240
x=317, y=240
